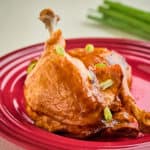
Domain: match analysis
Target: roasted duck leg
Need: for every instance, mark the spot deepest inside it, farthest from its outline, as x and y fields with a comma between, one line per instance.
x=59, y=92
x=63, y=91
x=123, y=121
x=126, y=97
x=121, y=67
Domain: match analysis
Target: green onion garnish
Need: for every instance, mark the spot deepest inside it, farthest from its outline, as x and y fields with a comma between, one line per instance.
x=106, y=84
x=107, y=114
x=91, y=76
x=100, y=65
x=31, y=66
x=60, y=50
x=89, y=48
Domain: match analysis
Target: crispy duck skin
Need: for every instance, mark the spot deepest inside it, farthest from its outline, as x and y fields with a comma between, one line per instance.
x=111, y=58
x=59, y=87
x=60, y=96
x=123, y=122
x=51, y=87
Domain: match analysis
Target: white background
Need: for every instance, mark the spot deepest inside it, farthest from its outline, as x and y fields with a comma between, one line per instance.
x=20, y=27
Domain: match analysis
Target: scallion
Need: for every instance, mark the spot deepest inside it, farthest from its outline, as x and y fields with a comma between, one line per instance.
x=31, y=66
x=89, y=48
x=106, y=84
x=107, y=114
x=100, y=65
x=60, y=50
x=123, y=17
x=91, y=76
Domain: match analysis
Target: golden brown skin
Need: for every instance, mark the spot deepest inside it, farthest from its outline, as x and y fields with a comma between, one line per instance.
x=59, y=87
x=60, y=96
x=123, y=122
x=121, y=74
x=102, y=55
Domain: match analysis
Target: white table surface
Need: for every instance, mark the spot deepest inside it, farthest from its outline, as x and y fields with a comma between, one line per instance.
x=20, y=27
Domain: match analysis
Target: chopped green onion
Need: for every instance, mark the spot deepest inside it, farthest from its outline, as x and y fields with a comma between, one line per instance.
x=60, y=50
x=91, y=75
x=89, y=48
x=106, y=84
x=100, y=65
x=31, y=66
x=107, y=114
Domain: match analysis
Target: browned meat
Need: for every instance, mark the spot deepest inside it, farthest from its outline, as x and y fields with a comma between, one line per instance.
x=64, y=90
x=60, y=85
x=122, y=120
x=102, y=55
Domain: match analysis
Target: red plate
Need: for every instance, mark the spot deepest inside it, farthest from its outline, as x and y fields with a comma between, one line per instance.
x=17, y=127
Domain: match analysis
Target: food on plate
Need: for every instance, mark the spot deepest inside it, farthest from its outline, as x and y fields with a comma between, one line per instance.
x=83, y=91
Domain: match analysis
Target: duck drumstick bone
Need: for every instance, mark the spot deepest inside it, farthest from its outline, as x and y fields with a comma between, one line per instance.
x=49, y=18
